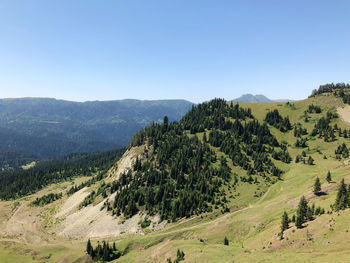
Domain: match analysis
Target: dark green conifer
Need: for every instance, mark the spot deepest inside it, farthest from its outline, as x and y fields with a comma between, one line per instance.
x=301, y=212
x=309, y=214
x=317, y=186
x=329, y=177
x=299, y=221
x=284, y=223
x=310, y=161
x=226, y=242
x=341, y=200
x=89, y=247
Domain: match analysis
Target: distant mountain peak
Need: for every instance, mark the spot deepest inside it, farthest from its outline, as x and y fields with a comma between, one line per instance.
x=256, y=98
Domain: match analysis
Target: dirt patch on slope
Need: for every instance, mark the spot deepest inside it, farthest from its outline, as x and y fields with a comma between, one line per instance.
x=91, y=222
x=344, y=113
x=125, y=163
x=25, y=225
x=72, y=203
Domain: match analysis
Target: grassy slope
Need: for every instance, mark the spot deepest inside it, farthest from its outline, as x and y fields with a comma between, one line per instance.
x=253, y=223
x=253, y=231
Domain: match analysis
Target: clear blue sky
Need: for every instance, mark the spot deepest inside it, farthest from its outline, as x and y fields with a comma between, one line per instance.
x=190, y=49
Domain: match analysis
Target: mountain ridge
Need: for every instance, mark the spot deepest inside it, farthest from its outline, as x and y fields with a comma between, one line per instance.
x=257, y=98
x=50, y=127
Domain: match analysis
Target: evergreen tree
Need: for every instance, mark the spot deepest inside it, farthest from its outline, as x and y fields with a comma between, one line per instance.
x=299, y=221
x=309, y=214
x=180, y=255
x=329, y=177
x=301, y=212
x=88, y=247
x=342, y=199
x=284, y=223
x=226, y=242
x=105, y=256
x=310, y=161
x=102, y=253
x=166, y=123
x=205, y=137
x=317, y=186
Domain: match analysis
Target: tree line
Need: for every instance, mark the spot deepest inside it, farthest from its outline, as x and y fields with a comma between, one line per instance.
x=46, y=199
x=307, y=213
x=330, y=88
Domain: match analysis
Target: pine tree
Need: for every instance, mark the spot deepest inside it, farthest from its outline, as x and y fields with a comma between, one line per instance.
x=180, y=256
x=293, y=218
x=89, y=247
x=226, y=242
x=313, y=209
x=309, y=214
x=299, y=222
x=301, y=212
x=341, y=200
x=205, y=137
x=105, y=256
x=284, y=223
x=329, y=177
x=310, y=161
x=317, y=186
x=166, y=122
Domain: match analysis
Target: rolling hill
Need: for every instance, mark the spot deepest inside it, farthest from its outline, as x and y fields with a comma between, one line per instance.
x=212, y=187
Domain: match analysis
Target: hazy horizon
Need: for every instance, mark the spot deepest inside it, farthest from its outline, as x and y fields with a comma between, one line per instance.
x=228, y=99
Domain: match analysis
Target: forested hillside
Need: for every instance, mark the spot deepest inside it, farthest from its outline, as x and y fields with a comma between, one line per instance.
x=188, y=169
x=21, y=182
x=42, y=128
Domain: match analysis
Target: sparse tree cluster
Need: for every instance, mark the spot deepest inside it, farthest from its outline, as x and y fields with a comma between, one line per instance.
x=104, y=252
x=301, y=143
x=324, y=130
x=302, y=158
x=314, y=109
x=337, y=88
x=282, y=155
x=306, y=213
x=93, y=180
x=46, y=199
x=342, y=151
x=299, y=130
x=275, y=119
x=180, y=256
